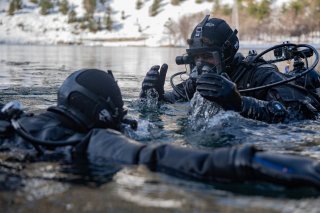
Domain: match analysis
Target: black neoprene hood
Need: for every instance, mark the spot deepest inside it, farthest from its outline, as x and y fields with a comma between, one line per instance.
x=213, y=34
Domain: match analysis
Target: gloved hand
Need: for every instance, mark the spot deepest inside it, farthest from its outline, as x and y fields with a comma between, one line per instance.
x=249, y=163
x=290, y=170
x=219, y=89
x=155, y=79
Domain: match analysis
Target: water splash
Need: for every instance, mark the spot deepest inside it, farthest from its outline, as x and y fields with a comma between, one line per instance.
x=142, y=133
x=201, y=112
x=150, y=103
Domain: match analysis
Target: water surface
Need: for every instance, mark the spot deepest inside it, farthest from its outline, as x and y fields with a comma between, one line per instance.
x=32, y=75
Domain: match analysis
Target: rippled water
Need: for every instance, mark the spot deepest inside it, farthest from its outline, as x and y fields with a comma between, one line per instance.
x=32, y=74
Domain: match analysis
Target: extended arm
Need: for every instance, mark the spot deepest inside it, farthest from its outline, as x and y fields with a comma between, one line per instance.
x=223, y=164
x=224, y=92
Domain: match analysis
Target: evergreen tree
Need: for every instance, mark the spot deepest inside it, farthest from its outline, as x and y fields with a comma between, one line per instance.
x=83, y=25
x=199, y=1
x=226, y=10
x=217, y=5
x=109, y=10
x=315, y=15
x=93, y=25
x=264, y=9
x=90, y=6
x=45, y=6
x=223, y=11
x=34, y=1
x=99, y=24
x=108, y=22
x=154, y=8
x=123, y=16
x=175, y=2
x=297, y=21
x=14, y=6
x=259, y=10
x=72, y=16
x=139, y=4
x=11, y=9
x=64, y=7
x=18, y=4
x=297, y=7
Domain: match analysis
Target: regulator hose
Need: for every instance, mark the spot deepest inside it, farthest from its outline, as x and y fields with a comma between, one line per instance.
x=314, y=64
x=174, y=87
x=289, y=79
x=36, y=142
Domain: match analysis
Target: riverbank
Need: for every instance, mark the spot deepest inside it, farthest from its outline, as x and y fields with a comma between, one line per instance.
x=135, y=28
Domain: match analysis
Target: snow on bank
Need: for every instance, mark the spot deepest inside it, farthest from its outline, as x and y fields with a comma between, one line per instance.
x=138, y=28
x=27, y=26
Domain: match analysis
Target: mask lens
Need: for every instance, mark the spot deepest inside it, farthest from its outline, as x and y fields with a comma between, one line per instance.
x=207, y=62
x=209, y=57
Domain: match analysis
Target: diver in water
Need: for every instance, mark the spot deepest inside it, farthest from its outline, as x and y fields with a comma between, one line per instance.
x=89, y=117
x=219, y=74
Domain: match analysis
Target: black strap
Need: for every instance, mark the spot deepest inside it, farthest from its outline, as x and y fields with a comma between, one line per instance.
x=67, y=119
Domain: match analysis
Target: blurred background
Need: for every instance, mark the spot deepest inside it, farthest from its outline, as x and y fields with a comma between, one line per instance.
x=154, y=22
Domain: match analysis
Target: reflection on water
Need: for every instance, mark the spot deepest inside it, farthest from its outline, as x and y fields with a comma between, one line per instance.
x=32, y=75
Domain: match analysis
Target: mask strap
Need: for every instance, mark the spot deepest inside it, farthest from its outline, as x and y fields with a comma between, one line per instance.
x=197, y=40
x=227, y=42
x=200, y=27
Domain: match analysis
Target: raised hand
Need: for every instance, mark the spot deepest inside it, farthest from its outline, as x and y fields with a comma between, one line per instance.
x=219, y=89
x=155, y=79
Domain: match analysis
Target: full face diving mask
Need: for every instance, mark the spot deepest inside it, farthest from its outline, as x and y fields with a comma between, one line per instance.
x=208, y=62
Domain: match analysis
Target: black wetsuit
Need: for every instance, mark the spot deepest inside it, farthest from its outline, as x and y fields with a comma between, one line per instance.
x=226, y=164
x=242, y=163
x=299, y=102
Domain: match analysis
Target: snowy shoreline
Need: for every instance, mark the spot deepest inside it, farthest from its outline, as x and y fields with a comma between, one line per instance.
x=97, y=43
x=22, y=30
x=28, y=27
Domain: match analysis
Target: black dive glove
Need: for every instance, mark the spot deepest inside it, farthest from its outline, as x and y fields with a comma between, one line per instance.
x=290, y=170
x=155, y=79
x=219, y=89
x=268, y=111
x=249, y=163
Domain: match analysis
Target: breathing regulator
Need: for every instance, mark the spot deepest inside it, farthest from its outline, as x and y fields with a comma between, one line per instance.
x=298, y=53
x=211, y=38
x=215, y=38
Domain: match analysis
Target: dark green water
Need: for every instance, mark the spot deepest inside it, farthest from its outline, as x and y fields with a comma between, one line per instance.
x=32, y=75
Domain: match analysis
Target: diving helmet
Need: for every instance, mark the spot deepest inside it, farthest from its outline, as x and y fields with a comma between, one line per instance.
x=213, y=36
x=93, y=97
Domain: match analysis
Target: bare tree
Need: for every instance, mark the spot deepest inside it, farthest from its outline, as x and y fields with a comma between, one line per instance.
x=187, y=23
x=172, y=31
